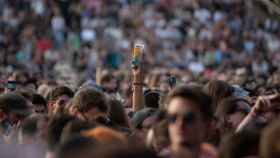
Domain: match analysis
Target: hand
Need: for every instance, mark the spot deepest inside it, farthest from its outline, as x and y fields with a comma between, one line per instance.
x=136, y=70
x=265, y=103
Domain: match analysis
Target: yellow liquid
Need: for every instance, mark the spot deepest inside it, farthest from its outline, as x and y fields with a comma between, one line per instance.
x=137, y=52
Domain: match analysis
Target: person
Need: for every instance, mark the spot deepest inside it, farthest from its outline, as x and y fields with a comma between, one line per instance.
x=75, y=127
x=109, y=83
x=218, y=90
x=231, y=112
x=264, y=111
x=151, y=98
x=54, y=131
x=58, y=98
x=142, y=121
x=39, y=104
x=123, y=151
x=105, y=136
x=16, y=81
x=77, y=146
x=13, y=110
x=89, y=105
x=189, y=114
x=117, y=116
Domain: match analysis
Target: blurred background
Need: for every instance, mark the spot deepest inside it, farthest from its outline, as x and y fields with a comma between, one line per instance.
x=67, y=40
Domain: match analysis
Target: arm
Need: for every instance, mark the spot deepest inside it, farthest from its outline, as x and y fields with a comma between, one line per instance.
x=262, y=104
x=137, y=88
x=247, y=120
x=137, y=81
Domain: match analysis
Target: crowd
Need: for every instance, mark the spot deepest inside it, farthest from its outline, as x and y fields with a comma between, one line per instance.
x=211, y=79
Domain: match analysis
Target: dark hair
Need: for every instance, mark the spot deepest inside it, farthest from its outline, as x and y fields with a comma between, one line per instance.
x=269, y=144
x=12, y=102
x=240, y=145
x=117, y=113
x=218, y=90
x=55, y=128
x=126, y=152
x=76, y=145
x=89, y=98
x=37, y=99
x=197, y=96
x=106, y=78
x=59, y=91
x=74, y=127
x=152, y=98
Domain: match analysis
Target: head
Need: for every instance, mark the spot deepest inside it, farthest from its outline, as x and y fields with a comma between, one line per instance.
x=189, y=114
x=152, y=98
x=125, y=152
x=75, y=127
x=39, y=104
x=55, y=128
x=218, y=90
x=13, y=108
x=90, y=104
x=105, y=135
x=76, y=146
x=117, y=113
x=230, y=113
x=58, y=97
x=109, y=83
x=16, y=81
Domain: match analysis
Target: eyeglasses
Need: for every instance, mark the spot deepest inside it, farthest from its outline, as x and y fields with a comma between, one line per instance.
x=188, y=118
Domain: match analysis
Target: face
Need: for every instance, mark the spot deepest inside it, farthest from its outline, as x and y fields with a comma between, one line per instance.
x=39, y=109
x=60, y=102
x=235, y=119
x=111, y=85
x=186, y=126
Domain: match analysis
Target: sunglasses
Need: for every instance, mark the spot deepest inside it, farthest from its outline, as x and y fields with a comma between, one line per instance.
x=188, y=118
